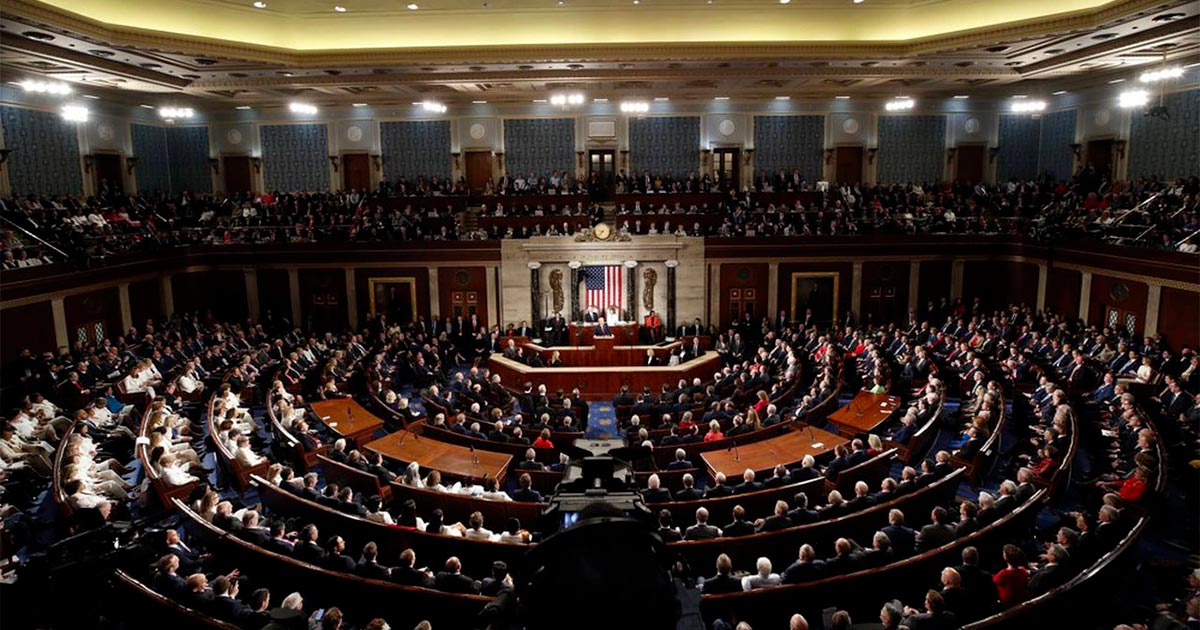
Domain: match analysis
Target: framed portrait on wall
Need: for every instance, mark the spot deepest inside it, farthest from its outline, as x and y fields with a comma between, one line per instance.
x=395, y=297
x=816, y=291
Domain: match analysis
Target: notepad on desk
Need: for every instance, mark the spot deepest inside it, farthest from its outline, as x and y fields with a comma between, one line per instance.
x=818, y=445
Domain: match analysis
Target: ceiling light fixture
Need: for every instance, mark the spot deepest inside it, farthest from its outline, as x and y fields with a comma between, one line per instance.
x=720, y=98
x=539, y=100
x=302, y=108
x=339, y=8
x=783, y=98
x=962, y=97
x=564, y=100
x=175, y=113
x=1133, y=98
x=479, y=102
x=1020, y=95
x=858, y=1
x=902, y=104
x=74, y=113
x=243, y=107
x=358, y=104
x=842, y=97
x=1027, y=107
x=785, y=1
x=433, y=107
x=661, y=99
x=1116, y=81
x=91, y=96
x=599, y=100
x=260, y=5
x=413, y=6
x=56, y=88
x=145, y=106
x=1059, y=93
x=1154, y=76
x=635, y=107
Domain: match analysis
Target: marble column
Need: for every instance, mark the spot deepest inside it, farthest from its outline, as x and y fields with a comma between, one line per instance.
x=856, y=291
x=1153, y=304
x=671, y=265
x=294, y=292
x=956, y=278
x=535, y=295
x=126, y=309
x=252, y=305
x=435, y=299
x=914, y=285
x=168, y=297
x=351, y=299
x=1043, y=275
x=58, y=312
x=1085, y=295
x=772, y=288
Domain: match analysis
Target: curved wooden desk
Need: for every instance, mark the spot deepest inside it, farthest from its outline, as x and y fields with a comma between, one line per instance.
x=601, y=383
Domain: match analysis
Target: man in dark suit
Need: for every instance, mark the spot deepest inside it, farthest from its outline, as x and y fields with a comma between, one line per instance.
x=453, y=581
x=722, y=582
x=498, y=581
x=903, y=538
x=845, y=560
x=978, y=583
x=602, y=329
x=1053, y=572
x=654, y=493
x=739, y=526
x=748, y=483
x=530, y=462
x=225, y=604
x=801, y=514
x=680, y=463
x=702, y=530
x=718, y=489
x=335, y=560
x=778, y=520
x=838, y=464
x=407, y=573
x=307, y=549
x=368, y=565
x=525, y=493
x=689, y=491
x=806, y=568
x=937, y=533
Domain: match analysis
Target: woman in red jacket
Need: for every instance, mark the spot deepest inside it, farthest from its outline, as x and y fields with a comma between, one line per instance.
x=1012, y=582
x=714, y=432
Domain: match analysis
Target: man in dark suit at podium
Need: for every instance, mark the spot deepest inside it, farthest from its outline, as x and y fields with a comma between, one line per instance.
x=558, y=329
x=602, y=330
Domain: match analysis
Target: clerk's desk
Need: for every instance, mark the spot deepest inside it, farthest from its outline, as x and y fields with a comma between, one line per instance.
x=764, y=455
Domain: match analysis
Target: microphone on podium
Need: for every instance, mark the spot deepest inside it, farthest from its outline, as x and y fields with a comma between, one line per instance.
x=474, y=457
x=736, y=455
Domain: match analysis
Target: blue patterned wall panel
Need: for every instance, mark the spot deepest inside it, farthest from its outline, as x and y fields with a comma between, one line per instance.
x=539, y=145
x=413, y=149
x=1018, y=156
x=45, y=152
x=1167, y=148
x=295, y=157
x=1054, y=153
x=150, y=148
x=911, y=148
x=664, y=145
x=789, y=143
x=187, y=155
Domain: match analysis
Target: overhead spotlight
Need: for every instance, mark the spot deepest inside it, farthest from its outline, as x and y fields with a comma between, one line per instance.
x=900, y=105
x=57, y=88
x=1058, y=93
x=358, y=104
x=260, y=5
x=91, y=96
x=413, y=6
x=961, y=97
x=1154, y=76
x=433, y=107
x=1027, y=107
x=1133, y=98
x=302, y=108
x=339, y=8
x=661, y=99
x=175, y=113
x=635, y=107
x=243, y=107
x=858, y=1
x=75, y=113
x=785, y=1
x=842, y=97
x=783, y=98
x=479, y=102
x=720, y=98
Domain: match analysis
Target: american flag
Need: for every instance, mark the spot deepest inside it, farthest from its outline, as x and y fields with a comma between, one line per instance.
x=603, y=286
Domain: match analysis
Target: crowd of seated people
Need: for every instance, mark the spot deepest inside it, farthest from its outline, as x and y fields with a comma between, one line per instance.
x=1162, y=214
